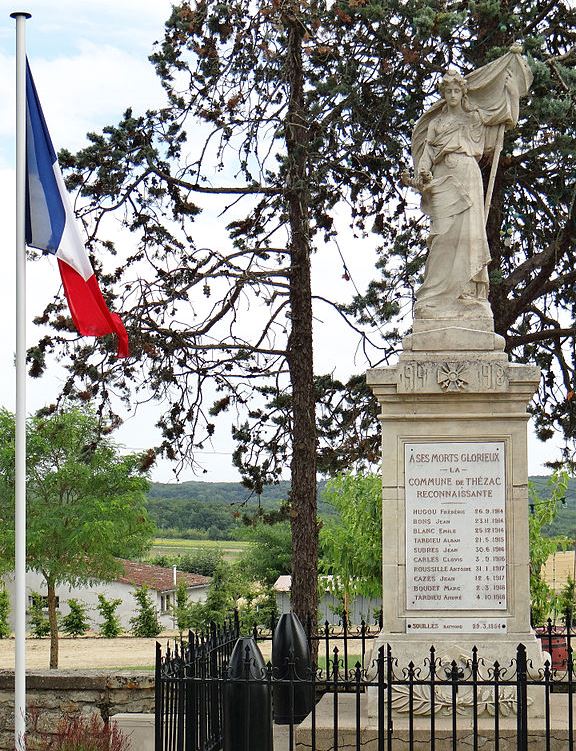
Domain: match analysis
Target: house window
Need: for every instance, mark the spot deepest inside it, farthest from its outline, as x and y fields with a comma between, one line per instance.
x=165, y=603
x=44, y=599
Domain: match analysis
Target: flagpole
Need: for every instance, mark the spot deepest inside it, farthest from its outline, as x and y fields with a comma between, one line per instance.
x=20, y=464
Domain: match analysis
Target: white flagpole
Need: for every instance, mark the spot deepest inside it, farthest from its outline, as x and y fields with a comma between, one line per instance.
x=20, y=468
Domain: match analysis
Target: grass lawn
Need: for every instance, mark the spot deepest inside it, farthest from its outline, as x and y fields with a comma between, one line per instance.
x=232, y=549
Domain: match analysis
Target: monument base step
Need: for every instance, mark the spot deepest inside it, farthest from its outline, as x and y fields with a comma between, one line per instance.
x=421, y=733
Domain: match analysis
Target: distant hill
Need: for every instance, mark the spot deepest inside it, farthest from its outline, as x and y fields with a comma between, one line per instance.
x=230, y=492
x=212, y=507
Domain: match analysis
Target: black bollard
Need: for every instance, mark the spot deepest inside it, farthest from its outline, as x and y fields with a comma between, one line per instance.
x=247, y=701
x=294, y=693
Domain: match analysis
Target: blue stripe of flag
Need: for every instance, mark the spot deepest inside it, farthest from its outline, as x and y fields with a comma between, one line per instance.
x=45, y=213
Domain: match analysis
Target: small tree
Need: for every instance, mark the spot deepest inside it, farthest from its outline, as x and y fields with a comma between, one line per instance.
x=542, y=513
x=270, y=554
x=352, y=545
x=145, y=623
x=4, y=612
x=86, y=502
x=226, y=587
x=76, y=622
x=37, y=620
x=567, y=599
x=110, y=627
x=182, y=611
x=256, y=605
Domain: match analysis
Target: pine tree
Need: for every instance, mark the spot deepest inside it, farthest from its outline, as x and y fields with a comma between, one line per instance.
x=182, y=611
x=75, y=623
x=37, y=619
x=145, y=622
x=110, y=627
x=4, y=613
x=310, y=107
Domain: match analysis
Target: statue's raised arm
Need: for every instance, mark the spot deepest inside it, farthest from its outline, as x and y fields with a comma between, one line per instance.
x=448, y=141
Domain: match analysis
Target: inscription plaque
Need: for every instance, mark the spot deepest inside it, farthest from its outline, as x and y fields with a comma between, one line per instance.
x=455, y=526
x=465, y=625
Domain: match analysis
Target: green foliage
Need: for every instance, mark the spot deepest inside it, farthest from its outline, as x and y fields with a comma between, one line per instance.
x=75, y=623
x=195, y=510
x=566, y=600
x=181, y=513
x=352, y=545
x=222, y=494
x=256, y=605
x=4, y=612
x=182, y=611
x=85, y=501
x=220, y=601
x=231, y=589
x=204, y=561
x=270, y=554
x=37, y=620
x=145, y=622
x=564, y=523
x=543, y=512
x=110, y=627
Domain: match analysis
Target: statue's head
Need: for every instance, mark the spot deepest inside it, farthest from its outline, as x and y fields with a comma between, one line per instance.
x=450, y=80
x=453, y=77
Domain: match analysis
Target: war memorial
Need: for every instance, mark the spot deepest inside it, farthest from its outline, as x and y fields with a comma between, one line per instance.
x=453, y=662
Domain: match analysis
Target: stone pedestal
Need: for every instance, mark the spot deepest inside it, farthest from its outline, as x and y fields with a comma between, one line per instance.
x=454, y=453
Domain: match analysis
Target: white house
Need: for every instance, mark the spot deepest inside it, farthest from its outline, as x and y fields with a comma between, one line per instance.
x=329, y=607
x=160, y=582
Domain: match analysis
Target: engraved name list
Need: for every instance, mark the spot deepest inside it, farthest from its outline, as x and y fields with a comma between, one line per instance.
x=455, y=526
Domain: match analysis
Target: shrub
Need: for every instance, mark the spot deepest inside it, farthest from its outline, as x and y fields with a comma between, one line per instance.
x=145, y=623
x=256, y=605
x=4, y=612
x=76, y=622
x=567, y=599
x=182, y=611
x=86, y=734
x=110, y=627
x=37, y=619
x=203, y=561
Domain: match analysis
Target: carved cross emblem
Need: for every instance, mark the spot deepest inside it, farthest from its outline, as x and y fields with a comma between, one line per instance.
x=451, y=376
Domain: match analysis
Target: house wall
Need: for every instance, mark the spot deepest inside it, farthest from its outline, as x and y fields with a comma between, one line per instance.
x=89, y=596
x=361, y=608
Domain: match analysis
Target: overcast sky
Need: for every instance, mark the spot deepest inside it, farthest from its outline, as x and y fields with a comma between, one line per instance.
x=89, y=60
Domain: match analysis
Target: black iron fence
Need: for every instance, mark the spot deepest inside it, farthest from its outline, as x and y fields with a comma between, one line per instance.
x=360, y=700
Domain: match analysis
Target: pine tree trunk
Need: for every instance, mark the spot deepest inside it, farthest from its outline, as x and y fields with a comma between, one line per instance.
x=53, y=620
x=300, y=354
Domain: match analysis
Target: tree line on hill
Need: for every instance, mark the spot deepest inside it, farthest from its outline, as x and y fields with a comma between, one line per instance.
x=219, y=510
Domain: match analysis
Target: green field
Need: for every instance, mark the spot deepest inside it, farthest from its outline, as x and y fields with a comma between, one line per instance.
x=232, y=549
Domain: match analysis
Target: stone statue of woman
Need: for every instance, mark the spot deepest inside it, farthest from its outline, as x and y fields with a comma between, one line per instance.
x=448, y=141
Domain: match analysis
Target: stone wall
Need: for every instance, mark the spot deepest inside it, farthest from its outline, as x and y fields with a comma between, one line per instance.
x=52, y=695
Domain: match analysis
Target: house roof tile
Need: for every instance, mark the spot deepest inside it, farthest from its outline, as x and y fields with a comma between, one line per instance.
x=157, y=577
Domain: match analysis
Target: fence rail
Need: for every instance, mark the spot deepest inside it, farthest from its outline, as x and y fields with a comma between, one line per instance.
x=361, y=703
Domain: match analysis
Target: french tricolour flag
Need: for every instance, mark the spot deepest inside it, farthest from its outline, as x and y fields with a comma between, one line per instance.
x=51, y=226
